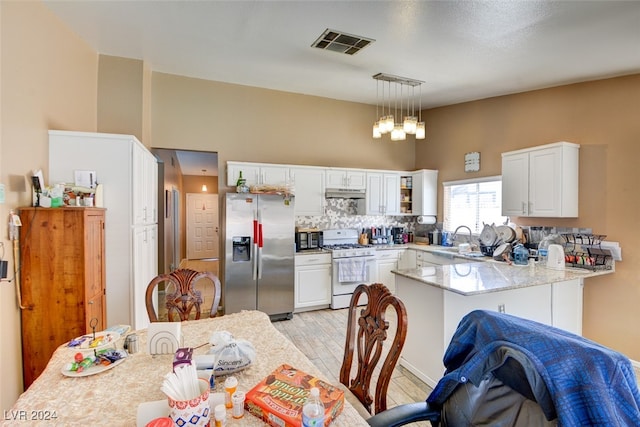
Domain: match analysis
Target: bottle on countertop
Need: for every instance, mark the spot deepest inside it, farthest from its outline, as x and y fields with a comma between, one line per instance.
x=543, y=249
x=220, y=416
x=313, y=410
x=230, y=385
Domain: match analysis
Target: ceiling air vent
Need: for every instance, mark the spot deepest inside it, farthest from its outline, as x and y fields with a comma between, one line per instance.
x=340, y=42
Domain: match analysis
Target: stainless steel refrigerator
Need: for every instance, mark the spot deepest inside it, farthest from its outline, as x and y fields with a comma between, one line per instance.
x=259, y=254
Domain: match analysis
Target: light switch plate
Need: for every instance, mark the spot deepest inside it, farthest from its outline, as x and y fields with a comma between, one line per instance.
x=472, y=162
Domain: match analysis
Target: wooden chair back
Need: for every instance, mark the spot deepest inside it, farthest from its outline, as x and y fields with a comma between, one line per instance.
x=366, y=334
x=182, y=297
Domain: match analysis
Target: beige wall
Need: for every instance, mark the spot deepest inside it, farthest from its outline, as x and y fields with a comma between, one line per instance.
x=603, y=117
x=48, y=81
x=120, y=96
x=260, y=125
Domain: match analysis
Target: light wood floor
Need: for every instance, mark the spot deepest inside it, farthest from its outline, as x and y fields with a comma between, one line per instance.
x=320, y=335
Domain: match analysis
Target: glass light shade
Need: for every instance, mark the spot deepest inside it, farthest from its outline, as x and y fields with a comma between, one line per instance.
x=204, y=187
x=410, y=123
x=397, y=134
x=389, y=123
x=376, y=130
x=382, y=124
x=420, y=130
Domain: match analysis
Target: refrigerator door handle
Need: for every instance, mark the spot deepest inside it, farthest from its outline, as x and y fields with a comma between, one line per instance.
x=260, y=251
x=254, y=260
x=260, y=242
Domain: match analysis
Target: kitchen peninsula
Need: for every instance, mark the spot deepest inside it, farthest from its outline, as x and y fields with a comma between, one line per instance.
x=438, y=296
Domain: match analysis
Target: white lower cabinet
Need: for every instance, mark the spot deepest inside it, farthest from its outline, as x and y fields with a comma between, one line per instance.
x=407, y=259
x=387, y=260
x=558, y=304
x=312, y=281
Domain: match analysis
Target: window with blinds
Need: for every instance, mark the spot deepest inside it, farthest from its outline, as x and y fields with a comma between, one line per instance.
x=473, y=203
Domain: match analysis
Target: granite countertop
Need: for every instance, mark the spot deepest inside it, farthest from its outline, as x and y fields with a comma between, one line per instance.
x=474, y=278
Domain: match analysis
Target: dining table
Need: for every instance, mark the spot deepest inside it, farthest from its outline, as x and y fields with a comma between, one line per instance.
x=113, y=397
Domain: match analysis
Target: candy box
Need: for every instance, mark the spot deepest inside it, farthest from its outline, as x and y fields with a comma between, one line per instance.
x=279, y=397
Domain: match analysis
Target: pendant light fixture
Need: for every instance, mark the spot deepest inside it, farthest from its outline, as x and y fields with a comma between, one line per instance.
x=404, y=125
x=377, y=133
x=410, y=120
x=204, y=185
x=420, y=128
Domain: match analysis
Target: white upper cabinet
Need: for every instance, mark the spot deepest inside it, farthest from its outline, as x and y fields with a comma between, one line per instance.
x=425, y=192
x=541, y=181
x=309, y=190
x=346, y=178
x=257, y=173
x=383, y=193
x=145, y=185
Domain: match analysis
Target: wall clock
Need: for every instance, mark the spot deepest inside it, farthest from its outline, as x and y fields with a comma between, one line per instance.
x=472, y=162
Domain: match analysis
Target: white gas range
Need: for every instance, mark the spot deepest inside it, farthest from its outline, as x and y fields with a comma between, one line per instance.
x=352, y=264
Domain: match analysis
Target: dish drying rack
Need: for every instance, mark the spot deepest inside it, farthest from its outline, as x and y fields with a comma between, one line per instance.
x=585, y=251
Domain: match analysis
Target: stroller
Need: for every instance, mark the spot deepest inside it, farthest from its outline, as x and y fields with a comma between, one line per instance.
x=503, y=370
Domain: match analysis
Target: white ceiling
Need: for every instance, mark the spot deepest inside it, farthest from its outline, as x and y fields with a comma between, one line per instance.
x=462, y=50
x=198, y=162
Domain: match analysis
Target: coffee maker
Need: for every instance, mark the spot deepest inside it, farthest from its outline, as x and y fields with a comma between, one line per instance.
x=397, y=233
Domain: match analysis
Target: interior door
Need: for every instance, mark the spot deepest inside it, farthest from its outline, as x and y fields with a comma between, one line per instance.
x=202, y=226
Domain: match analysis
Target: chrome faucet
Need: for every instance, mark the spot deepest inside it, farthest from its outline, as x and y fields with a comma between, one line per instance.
x=453, y=238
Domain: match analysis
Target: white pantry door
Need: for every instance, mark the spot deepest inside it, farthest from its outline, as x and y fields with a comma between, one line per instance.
x=202, y=226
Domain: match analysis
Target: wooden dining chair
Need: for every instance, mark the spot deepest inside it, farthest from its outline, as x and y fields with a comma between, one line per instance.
x=181, y=296
x=366, y=335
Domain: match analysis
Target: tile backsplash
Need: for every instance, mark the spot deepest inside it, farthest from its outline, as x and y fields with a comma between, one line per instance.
x=343, y=213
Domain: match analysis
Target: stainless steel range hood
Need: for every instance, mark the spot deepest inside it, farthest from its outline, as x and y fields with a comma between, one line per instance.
x=344, y=193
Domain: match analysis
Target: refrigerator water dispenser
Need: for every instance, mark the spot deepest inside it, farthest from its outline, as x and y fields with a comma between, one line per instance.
x=241, y=248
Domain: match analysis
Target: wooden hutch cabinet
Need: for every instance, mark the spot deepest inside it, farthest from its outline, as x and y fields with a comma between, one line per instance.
x=62, y=275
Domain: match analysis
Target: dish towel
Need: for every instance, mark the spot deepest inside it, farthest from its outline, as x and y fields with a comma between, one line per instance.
x=352, y=270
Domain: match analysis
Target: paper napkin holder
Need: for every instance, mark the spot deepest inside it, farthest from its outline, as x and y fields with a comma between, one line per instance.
x=164, y=337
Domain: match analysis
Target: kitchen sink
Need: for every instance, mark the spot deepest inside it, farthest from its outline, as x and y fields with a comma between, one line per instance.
x=452, y=251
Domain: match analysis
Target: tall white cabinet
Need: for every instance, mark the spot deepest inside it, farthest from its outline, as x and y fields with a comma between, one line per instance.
x=541, y=181
x=129, y=174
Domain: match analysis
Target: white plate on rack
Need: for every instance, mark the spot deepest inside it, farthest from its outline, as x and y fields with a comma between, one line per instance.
x=488, y=235
x=506, y=233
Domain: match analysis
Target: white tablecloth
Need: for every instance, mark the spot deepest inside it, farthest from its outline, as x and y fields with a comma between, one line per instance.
x=112, y=397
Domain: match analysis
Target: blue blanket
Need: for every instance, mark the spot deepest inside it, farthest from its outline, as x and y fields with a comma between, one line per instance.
x=589, y=384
